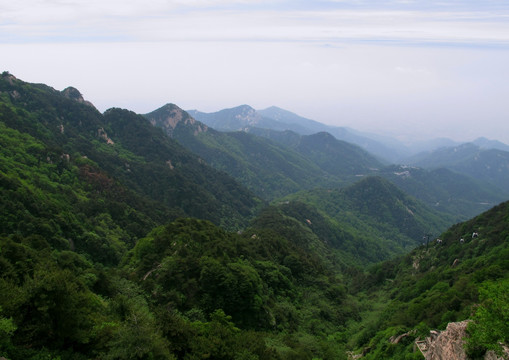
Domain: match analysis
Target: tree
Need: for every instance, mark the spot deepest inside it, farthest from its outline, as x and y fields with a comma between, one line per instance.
x=7, y=328
x=490, y=325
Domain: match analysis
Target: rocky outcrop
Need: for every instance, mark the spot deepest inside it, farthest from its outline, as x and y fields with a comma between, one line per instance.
x=397, y=338
x=448, y=345
x=170, y=116
x=11, y=79
x=74, y=94
x=103, y=135
x=491, y=355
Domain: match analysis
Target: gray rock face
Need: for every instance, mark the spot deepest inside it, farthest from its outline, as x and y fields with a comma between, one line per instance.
x=74, y=94
x=448, y=345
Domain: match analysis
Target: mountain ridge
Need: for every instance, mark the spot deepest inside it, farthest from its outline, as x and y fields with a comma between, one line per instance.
x=490, y=165
x=264, y=166
x=103, y=256
x=388, y=149
x=337, y=160
x=112, y=142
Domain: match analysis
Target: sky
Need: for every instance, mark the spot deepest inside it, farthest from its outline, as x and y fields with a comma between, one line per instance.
x=411, y=69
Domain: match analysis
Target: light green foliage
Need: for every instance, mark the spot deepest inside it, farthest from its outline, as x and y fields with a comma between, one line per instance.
x=135, y=335
x=7, y=328
x=430, y=288
x=100, y=259
x=490, y=325
x=371, y=220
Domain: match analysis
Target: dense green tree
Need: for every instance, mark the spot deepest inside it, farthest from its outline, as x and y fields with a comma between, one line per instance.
x=490, y=325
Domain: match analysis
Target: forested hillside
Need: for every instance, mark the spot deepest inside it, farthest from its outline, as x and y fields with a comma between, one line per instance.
x=266, y=168
x=380, y=219
x=269, y=169
x=118, y=148
x=291, y=162
x=487, y=164
x=460, y=196
x=465, y=275
x=118, y=243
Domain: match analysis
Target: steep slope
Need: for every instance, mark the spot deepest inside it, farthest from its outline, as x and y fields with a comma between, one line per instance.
x=377, y=219
x=444, y=190
x=335, y=156
x=245, y=118
x=268, y=169
x=175, y=122
x=122, y=148
x=463, y=276
x=236, y=119
x=489, y=165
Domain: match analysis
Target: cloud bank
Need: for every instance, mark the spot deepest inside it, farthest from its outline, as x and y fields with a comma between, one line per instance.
x=409, y=68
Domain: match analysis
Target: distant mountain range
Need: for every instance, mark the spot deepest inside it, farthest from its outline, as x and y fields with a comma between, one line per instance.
x=385, y=148
x=378, y=207
x=441, y=187
x=140, y=236
x=245, y=118
x=479, y=162
x=268, y=168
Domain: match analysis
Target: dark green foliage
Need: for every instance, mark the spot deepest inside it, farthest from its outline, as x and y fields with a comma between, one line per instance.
x=442, y=283
x=268, y=168
x=119, y=156
x=460, y=196
x=195, y=265
x=370, y=220
x=50, y=304
x=490, y=325
x=99, y=259
x=275, y=281
x=489, y=165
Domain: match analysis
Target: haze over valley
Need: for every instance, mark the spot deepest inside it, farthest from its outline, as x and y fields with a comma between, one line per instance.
x=255, y=180
x=156, y=235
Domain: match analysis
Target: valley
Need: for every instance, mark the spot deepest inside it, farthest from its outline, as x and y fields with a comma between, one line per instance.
x=240, y=234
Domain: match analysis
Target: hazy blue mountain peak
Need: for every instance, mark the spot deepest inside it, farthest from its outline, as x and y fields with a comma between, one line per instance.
x=170, y=117
x=485, y=143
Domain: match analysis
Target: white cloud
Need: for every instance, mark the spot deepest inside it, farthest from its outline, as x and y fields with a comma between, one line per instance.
x=434, y=70
x=230, y=20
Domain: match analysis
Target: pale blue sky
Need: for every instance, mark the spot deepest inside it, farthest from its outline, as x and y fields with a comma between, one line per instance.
x=412, y=69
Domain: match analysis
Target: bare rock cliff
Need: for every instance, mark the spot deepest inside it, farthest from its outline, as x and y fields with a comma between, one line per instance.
x=448, y=345
x=74, y=94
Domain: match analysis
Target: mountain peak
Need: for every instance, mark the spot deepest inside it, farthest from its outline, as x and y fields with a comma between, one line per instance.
x=9, y=77
x=485, y=143
x=74, y=94
x=323, y=135
x=245, y=108
x=170, y=106
x=245, y=114
x=170, y=116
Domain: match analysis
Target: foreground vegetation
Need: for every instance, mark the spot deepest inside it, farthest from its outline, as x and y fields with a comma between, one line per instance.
x=117, y=243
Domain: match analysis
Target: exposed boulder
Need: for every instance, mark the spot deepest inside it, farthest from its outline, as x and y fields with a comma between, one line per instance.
x=74, y=94
x=397, y=338
x=491, y=355
x=448, y=345
x=170, y=117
